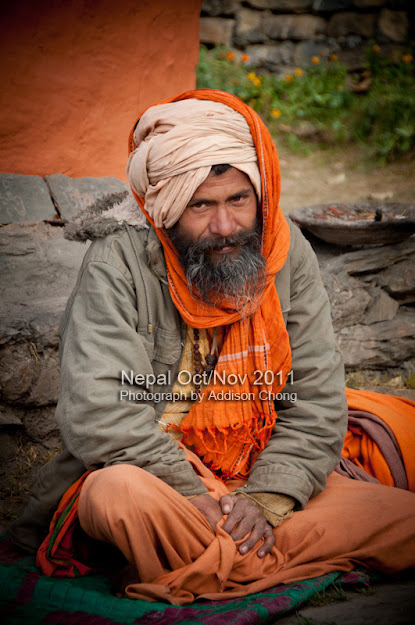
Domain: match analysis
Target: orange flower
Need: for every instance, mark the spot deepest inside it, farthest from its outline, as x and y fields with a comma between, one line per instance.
x=298, y=71
x=230, y=55
x=334, y=58
x=375, y=47
x=315, y=60
x=245, y=58
x=407, y=58
x=256, y=80
x=276, y=113
x=288, y=78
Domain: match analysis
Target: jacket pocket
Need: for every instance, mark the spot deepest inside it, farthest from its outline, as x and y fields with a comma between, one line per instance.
x=167, y=346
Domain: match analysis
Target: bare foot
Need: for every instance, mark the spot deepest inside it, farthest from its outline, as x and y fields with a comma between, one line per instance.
x=126, y=575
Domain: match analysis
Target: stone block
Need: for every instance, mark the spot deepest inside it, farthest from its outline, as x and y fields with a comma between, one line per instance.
x=271, y=57
x=249, y=27
x=399, y=280
x=331, y=5
x=381, y=308
x=24, y=198
x=216, y=30
x=375, y=259
x=394, y=25
x=39, y=269
x=368, y=4
x=345, y=23
x=73, y=194
x=214, y=8
x=349, y=299
x=282, y=5
x=41, y=427
x=304, y=52
x=295, y=27
x=379, y=345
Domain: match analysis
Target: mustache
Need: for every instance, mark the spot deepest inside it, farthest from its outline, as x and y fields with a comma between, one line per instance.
x=214, y=244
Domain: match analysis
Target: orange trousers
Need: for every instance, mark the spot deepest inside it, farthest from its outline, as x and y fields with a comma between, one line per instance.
x=179, y=558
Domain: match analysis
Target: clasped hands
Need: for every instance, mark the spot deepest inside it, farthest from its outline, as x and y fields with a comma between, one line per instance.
x=243, y=518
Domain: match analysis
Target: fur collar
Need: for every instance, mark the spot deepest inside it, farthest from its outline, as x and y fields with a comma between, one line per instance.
x=107, y=215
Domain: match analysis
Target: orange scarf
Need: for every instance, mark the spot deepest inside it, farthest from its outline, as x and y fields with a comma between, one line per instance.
x=255, y=358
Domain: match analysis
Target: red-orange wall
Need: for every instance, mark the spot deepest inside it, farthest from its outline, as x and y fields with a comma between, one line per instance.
x=76, y=73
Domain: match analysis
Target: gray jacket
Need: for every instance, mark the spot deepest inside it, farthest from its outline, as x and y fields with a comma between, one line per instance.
x=120, y=316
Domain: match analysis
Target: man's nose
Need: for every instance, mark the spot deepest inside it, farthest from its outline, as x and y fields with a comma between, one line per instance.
x=222, y=222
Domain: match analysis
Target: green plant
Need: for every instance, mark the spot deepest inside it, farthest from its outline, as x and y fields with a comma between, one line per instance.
x=324, y=97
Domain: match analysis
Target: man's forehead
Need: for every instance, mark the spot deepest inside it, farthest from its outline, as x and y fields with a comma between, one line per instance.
x=232, y=180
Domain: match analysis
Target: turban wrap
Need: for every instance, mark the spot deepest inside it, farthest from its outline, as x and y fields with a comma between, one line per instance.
x=177, y=145
x=172, y=148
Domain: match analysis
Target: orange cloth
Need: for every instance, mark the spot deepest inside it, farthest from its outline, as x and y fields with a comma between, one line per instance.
x=229, y=434
x=179, y=558
x=399, y=415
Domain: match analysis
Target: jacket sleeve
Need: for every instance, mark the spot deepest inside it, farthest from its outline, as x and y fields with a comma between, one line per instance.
x=307, y=439
x=100, y=340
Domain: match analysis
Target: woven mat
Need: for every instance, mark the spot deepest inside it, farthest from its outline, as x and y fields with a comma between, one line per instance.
x=30, y=598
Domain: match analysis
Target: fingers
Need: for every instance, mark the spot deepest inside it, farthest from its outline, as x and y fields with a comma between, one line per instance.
x=243, y=519
x=226, y=503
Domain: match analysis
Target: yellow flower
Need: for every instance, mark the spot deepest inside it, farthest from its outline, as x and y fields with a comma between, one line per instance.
x=245, y=58
x=230, y=55
x=375, y=47
x=288, y=78
x=256, y=80
x=298, y=71
x=315, y=60
x=407, y=58
x=276, y=113
x=334, y=58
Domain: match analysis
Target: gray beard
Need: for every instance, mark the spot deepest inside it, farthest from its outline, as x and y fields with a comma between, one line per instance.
x=234, y=281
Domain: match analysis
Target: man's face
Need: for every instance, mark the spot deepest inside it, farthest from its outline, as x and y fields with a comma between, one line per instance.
x=221, y=208
x=218, y=239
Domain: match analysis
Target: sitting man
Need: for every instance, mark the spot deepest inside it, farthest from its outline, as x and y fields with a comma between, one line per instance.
x=202, y=387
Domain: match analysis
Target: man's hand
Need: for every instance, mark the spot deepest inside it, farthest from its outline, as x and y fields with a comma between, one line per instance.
x=244, y=518
x=209, y=507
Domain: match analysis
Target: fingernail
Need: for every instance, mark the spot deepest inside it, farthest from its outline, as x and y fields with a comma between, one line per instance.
x=243, y=549
x=226, y=508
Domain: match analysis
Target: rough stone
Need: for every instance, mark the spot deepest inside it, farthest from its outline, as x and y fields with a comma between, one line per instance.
x=295, y=27
x=394, y=25
x=282, y=5
x=11, y=415
x=374, y=259
x=214, y=8
x=73, y=194
x=331, y=5
x=271, y=57
x=381, y=308
x=348, y=298
x=305, y=51
x=24, y=198
x=368, y=4
x=41, y=427
x=249, y=27
x=343, y=23
x=39, y=269
x=8, y=447
x=379, y=345
x=399, y=280
x=216, y=30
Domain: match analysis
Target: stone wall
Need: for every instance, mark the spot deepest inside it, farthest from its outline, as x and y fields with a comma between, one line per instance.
x=279, y=34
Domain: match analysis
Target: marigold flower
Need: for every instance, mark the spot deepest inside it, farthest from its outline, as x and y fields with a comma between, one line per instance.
x=334, y=58
x=245, y=58
x=375, y=47
x=276, y=113
x=288, y=78
x=298, y=71
x=256, y=80
x=407, y=58
x=315, y=60
x=230, y=55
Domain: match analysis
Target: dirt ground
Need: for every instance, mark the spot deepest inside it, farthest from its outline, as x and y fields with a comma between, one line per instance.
x=341, y=175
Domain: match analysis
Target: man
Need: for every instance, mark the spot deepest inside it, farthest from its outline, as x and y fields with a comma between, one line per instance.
x=201, y=382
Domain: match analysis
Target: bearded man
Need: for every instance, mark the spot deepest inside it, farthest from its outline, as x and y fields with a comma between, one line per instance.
x=217, y=483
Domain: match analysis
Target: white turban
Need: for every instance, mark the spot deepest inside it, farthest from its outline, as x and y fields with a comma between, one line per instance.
x=177, y=144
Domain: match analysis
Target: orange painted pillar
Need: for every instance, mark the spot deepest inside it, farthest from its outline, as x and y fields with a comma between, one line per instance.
x=75, y=75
